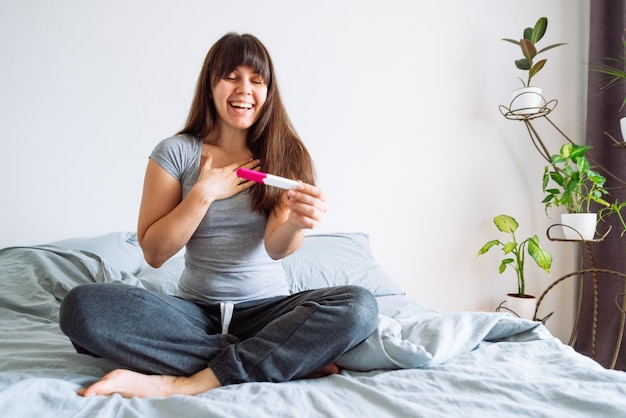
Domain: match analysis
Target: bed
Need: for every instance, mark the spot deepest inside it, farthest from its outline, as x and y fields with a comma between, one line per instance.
x=418, y=362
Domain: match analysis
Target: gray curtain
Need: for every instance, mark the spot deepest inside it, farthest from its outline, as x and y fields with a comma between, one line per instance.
x=607, y=23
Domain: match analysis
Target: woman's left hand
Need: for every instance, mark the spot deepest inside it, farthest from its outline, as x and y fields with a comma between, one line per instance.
x=301, y=209
x=307, y=205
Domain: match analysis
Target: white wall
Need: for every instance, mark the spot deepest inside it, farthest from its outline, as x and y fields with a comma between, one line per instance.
x=397, y=100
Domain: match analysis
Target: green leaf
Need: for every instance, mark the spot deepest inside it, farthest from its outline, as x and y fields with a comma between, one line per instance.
x=583, y=164
x=596, y=178
x=566, y=150
x=556, y=177
x=560, y=158
x=572, y=183
x=537, y=67
x=572, y=175
x=601, y=201
x=509, y=247
x=513, y=41
x=488, y=246
x=608, y=70
x=574, y=151
x=505, y=223
x=522, y=64
x=528, y=34
x=504, y=263
x=542, y=257
x=547, y=48
x=539, y=30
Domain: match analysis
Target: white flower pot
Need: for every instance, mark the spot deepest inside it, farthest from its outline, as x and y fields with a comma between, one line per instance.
x=527, y=100
x=577, y=226
x=522, y=307
x=622, y=125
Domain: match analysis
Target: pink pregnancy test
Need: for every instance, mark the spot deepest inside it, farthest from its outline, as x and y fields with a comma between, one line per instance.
x=267, y=179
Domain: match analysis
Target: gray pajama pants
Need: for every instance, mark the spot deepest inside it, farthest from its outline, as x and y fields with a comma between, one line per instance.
x=270, y=340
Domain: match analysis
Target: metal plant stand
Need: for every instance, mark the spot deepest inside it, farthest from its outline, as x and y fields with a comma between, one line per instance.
x=593, y=271
x=527, y=116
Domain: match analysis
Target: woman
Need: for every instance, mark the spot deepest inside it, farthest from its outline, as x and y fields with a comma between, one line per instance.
x=233, y=320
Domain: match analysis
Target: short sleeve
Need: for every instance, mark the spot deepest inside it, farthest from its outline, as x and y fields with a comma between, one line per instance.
x=176, y=154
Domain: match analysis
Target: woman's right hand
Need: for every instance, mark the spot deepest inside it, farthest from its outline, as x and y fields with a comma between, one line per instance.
x=222, y=183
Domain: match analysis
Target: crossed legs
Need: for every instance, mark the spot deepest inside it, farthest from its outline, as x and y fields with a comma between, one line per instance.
x=177, y=345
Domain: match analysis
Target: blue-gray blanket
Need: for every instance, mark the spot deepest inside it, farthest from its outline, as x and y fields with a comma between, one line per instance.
x=417, y=363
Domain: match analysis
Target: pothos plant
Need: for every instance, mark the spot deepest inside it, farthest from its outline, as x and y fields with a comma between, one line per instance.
x=577, y=183
x=514, y=252
x=528, y=45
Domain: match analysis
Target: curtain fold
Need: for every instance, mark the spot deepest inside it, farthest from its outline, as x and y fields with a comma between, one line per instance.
x=607, y=23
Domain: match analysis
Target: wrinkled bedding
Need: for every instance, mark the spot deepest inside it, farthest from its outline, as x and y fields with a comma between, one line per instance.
x=417, y=363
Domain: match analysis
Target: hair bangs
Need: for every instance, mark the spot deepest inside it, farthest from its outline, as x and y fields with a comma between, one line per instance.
x=241, y=50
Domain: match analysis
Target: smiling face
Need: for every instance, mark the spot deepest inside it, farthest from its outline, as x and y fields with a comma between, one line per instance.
x=239, y=98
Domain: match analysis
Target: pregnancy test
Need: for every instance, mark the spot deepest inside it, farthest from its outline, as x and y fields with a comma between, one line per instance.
x=267, y=179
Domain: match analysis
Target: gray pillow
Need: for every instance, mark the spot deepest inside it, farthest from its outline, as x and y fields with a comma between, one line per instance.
x=336, y=259
x=165, y=278
x=324, y=260
x=120, y=249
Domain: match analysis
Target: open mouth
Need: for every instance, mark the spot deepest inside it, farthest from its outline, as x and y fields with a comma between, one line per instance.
x=241, y=105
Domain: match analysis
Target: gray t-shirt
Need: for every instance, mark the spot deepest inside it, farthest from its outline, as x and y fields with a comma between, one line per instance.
x=225, y=259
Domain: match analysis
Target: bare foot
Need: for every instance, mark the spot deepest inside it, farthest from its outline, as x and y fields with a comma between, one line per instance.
x=332, y=368
x=130, y=384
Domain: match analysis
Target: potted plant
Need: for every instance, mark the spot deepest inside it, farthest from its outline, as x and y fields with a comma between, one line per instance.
x=614, y=70
x=576, y=185
x=530, y=99
x=514, y=256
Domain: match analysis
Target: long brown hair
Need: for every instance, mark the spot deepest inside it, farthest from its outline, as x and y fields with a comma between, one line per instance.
x=272, y=138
